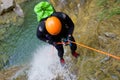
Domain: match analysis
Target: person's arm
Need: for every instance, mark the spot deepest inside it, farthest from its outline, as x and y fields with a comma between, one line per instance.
x=69, y=23
x=42, y=34
x=66, y=20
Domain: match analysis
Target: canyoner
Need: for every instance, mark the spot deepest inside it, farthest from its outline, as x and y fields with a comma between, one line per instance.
x=55, y=27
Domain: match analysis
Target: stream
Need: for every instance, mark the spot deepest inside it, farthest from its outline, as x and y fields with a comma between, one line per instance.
x=41, y=57
x=25, y=40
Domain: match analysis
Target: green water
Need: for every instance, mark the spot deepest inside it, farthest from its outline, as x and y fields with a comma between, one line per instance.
x=24, y=41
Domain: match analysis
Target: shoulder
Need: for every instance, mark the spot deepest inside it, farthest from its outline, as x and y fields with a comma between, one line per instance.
x=41, y=26
x=60, y=15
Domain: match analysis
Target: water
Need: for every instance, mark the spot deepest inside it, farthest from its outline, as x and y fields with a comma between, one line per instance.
x=45, y=65
x=25, y=40
x=41, y=57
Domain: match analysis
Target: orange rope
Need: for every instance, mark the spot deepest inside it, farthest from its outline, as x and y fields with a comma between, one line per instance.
x=113, y=56
x=108, y=54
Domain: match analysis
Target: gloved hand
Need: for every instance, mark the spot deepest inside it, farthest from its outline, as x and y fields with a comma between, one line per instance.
x=48, y=41
x=51, y=42
x=65, y=42
x=54, y=43
x=69, y=37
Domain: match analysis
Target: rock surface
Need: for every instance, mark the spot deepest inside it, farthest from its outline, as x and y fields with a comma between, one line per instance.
x=7, y=5
x=18, y=10
x=10, y=5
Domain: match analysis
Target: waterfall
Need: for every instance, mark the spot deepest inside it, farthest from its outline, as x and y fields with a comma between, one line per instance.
x=45, y=65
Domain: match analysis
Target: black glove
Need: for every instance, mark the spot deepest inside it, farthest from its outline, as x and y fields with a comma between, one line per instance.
x=65, y=42
x=51, y=42
x=54, y=43
x=69, y=37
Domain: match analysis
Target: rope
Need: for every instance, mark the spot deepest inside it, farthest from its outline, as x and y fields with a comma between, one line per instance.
x=99, y=51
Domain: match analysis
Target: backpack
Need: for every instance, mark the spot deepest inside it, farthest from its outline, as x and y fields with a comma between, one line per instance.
x=43, y=10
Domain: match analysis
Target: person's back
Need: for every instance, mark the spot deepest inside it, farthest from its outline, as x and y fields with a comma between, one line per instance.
x=67, y=23
x=54, y=27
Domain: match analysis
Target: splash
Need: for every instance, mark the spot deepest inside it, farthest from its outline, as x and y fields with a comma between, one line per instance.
x=45, y=65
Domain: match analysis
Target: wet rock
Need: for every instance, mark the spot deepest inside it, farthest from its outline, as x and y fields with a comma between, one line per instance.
x=10, y=5
x=110, y=35
x=0, y=10
x=103, y=39
x=82, y=2
x=105, y=59
x=8, y=73
x=118, y=69
x=7, y=5
x=18, y=10
x=115, y=77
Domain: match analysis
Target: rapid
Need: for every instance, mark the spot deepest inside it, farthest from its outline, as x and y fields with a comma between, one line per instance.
x=42, y=59
x=45, y=65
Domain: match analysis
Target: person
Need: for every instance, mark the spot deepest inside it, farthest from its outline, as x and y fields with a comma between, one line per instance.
x=55, y=27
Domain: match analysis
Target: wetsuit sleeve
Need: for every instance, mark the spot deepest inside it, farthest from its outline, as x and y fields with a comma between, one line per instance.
x=69, y=23
x=42, y=34
x=66, y=21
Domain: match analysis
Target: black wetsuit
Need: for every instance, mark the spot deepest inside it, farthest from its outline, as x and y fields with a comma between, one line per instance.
x=67, y=28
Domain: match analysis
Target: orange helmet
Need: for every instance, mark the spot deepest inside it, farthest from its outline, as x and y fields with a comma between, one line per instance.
x=53, y=25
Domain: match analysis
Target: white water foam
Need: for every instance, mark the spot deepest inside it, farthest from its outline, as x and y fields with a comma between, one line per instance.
x=45, y=65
